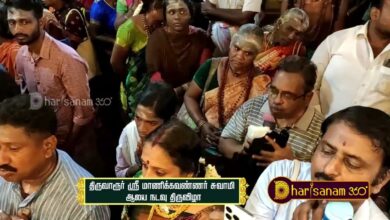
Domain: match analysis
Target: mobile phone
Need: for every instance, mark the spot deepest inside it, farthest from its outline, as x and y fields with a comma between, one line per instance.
x=259, y=144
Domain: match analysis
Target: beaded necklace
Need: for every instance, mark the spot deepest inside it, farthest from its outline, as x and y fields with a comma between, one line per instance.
x=222, y=118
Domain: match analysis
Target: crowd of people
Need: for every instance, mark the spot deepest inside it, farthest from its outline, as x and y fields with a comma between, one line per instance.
x=162, y=88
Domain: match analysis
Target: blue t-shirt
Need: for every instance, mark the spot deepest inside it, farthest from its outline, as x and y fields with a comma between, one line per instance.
x=104, y=14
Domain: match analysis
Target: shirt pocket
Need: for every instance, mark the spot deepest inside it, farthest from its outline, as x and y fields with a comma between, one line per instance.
x=383, y=84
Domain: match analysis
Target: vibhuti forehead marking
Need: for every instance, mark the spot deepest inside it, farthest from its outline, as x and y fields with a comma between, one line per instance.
x=245, y=43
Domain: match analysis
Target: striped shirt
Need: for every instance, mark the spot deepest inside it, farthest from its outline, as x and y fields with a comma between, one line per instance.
x=303, y=135
x=57, y=198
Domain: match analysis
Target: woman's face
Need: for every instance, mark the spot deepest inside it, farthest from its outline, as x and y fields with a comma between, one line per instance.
x=177, y=16
x=146, y=121
x=288, y=32
x=155, y=19
x=242, y=53
x=157, y=163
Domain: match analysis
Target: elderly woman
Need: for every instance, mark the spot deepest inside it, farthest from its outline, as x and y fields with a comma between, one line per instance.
x=282, y=39
x=221, y=85
x=176, y=51
x=173, y=151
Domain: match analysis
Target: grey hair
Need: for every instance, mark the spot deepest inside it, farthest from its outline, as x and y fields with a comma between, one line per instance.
x=252, y=34
x=297, y=14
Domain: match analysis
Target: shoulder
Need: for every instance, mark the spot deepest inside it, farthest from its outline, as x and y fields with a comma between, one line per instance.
x=70, y=169
x=338, y=37
x=130, y=130
x=285, y=168
x=255, y=104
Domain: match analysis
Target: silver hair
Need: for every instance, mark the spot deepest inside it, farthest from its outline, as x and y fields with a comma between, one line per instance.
x=252, y=34
x=297, y=14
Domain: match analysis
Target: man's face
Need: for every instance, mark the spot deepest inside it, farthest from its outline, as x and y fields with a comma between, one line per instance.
x=287, y=96
x=345, y=155
x=23, y=156
x=382, y=20
x=23, y=25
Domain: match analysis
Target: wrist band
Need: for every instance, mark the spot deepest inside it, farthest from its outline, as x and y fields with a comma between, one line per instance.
x=201, y=123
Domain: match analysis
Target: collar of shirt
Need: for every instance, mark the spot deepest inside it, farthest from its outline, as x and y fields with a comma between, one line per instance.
x=17, y=186
x=44, y=53
x=362, y=30
x=304, y=122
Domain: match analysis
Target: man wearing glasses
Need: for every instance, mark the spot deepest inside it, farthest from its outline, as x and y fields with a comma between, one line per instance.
x=287, y=103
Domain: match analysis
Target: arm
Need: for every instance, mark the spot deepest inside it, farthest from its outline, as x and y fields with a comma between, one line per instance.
x=191, y=100
x=124, y=12
x=118, y=59
x=120, y=52
x=75, y=81
x=231, y=16
x=121, y=18
x=228, y=147
x=341, y=15
x=231, y=137
x=122, y=167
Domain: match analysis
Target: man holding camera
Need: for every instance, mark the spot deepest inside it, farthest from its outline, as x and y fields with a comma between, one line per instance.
x=287, y=103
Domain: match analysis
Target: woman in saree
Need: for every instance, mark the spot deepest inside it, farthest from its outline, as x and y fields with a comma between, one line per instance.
x=176, y=51
x=173, y=151
x=282, y=39
x=222, y=85
x=128, y=54
x=156, y=106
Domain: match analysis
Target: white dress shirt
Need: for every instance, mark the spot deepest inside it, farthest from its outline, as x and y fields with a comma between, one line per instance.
x=262, y=207
x=349, y=74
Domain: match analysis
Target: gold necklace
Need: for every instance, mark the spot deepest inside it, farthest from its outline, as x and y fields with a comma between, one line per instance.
x=164, y=211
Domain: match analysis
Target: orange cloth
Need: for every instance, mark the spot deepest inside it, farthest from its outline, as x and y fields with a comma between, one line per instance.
x=8, y=51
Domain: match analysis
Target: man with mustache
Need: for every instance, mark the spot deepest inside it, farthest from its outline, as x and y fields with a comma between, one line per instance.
x=36, y=179
x=52, y=69
x=355, y=146
x=287, y=103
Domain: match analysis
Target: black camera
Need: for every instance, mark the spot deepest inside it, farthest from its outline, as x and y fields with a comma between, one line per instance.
x=259, y=144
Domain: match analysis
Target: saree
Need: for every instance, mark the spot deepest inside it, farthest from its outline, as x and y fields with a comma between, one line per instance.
x=136, y=81
x=233, y=95
x=8, y=51
x=267, y=61
x=177, y=56
x=136, y=78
